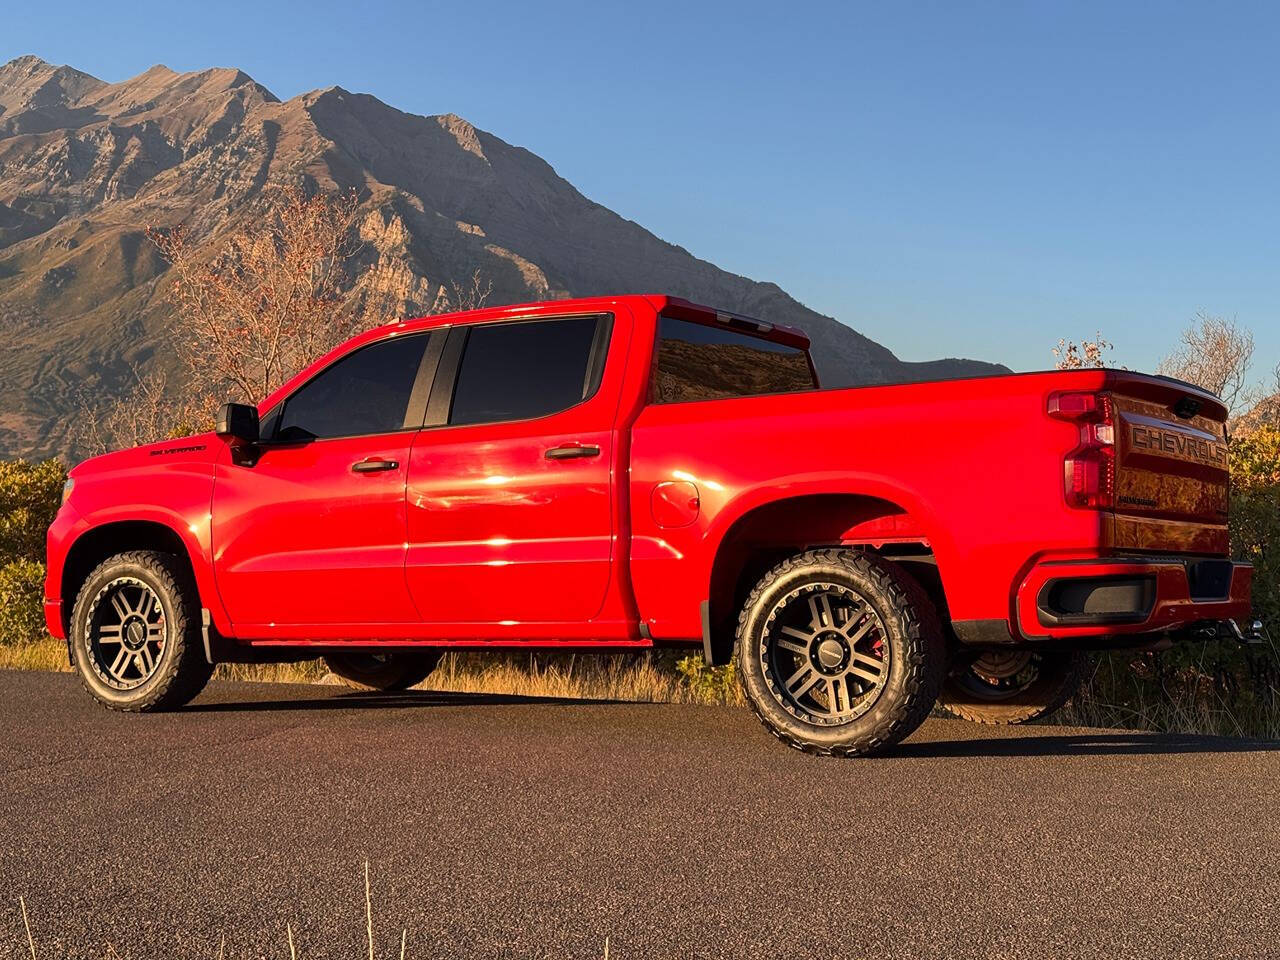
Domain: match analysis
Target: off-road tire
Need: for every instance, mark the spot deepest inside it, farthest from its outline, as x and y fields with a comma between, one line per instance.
x=383, y=672
x=182, y=670
x=1059, y=677
x=917, y=652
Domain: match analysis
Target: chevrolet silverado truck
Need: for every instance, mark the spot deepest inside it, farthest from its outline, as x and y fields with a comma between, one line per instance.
x=625, y=473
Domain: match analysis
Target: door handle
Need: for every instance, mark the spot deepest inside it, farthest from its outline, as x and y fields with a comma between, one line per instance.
x=573, y=451
x=374, y=465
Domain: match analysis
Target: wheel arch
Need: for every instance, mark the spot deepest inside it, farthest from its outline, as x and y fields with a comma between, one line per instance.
x=765, y=530
x=104, y=540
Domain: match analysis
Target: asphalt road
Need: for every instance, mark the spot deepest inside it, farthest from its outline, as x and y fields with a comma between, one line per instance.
x=509, y=828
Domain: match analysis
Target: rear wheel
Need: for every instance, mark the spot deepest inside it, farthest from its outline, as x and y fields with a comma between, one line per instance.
x=376, y=670
x=1012, y=686
x=135, y=635
x=840, y=653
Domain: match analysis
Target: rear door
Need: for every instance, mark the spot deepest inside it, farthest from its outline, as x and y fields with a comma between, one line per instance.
x=510, y=498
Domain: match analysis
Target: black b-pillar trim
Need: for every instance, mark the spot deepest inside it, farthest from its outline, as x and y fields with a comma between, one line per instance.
x=445, y=378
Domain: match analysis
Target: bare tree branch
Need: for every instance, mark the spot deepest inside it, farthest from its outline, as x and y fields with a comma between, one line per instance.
x=471, y=295
x=150, y=411
x=270, y=301
x=1089, y=353
x=1215, y=354
x=274, y=297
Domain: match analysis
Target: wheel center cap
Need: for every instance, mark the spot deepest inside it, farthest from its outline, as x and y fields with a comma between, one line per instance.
x=135, y=634
x=830, y=653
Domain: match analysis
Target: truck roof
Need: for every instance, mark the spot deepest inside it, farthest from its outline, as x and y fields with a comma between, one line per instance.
x=663, y=303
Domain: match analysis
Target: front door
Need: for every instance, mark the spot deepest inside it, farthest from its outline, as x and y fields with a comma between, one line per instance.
x=309, y=534
x=510, y=513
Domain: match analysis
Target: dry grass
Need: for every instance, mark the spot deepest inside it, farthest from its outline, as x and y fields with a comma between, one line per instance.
x=1127, y=694
x=638, y=677
x=1113, y=697
x=1203, y=716
x=48, y=654
x=642, y=678
x=309, y=671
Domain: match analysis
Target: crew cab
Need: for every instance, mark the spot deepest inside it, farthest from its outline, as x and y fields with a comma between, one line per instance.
x=633, y=472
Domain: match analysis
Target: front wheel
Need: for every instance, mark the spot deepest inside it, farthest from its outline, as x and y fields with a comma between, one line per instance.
x=840, y=652
x=135, y=633
x=1012, y=686
x=376, y=670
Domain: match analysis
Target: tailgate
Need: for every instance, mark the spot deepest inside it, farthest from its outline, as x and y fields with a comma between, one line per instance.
x=1171, y=479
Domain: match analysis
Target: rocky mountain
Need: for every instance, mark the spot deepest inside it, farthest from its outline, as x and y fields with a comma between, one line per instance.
x=86, y=166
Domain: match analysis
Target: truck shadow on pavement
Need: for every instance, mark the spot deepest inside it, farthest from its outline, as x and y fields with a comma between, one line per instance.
x=407, y=699
x=1017, y=742
x=1028, y=743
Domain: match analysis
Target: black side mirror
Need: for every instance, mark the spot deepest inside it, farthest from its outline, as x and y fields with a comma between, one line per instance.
x=238, y=421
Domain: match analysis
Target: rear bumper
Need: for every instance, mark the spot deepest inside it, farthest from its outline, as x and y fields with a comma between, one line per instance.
x=1117, y=597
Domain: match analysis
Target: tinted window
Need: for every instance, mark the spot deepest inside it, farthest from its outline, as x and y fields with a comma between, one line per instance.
x=701, y=362
x=517, y=371
x=365, y=392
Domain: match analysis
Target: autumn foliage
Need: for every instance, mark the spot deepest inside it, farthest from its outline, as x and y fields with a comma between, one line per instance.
x=270, y=301
x=247, y=315
x=1088, y=353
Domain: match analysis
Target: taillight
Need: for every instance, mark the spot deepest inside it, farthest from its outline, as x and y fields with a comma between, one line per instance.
x=1089, y=471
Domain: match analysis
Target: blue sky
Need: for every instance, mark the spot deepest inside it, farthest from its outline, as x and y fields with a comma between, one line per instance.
x=950, y=178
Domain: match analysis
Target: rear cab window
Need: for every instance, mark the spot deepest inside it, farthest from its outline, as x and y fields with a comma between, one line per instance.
x=697, y=361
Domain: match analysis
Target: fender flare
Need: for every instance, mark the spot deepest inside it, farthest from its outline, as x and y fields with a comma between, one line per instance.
x=842, y=483
x=198, y=553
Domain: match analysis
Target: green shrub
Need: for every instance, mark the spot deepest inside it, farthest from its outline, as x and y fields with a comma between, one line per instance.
x=30, y=494
x=707, y=684
x=21, y=603
x=1255, y=516
x=1214, y=686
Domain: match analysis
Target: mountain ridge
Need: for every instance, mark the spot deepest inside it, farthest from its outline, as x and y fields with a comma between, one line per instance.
x=86, y=166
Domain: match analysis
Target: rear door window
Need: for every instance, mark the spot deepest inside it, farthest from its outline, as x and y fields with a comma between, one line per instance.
x=528, y=369
x=697, y=361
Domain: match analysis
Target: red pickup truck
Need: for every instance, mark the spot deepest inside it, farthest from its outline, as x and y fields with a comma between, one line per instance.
x=633, y=472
